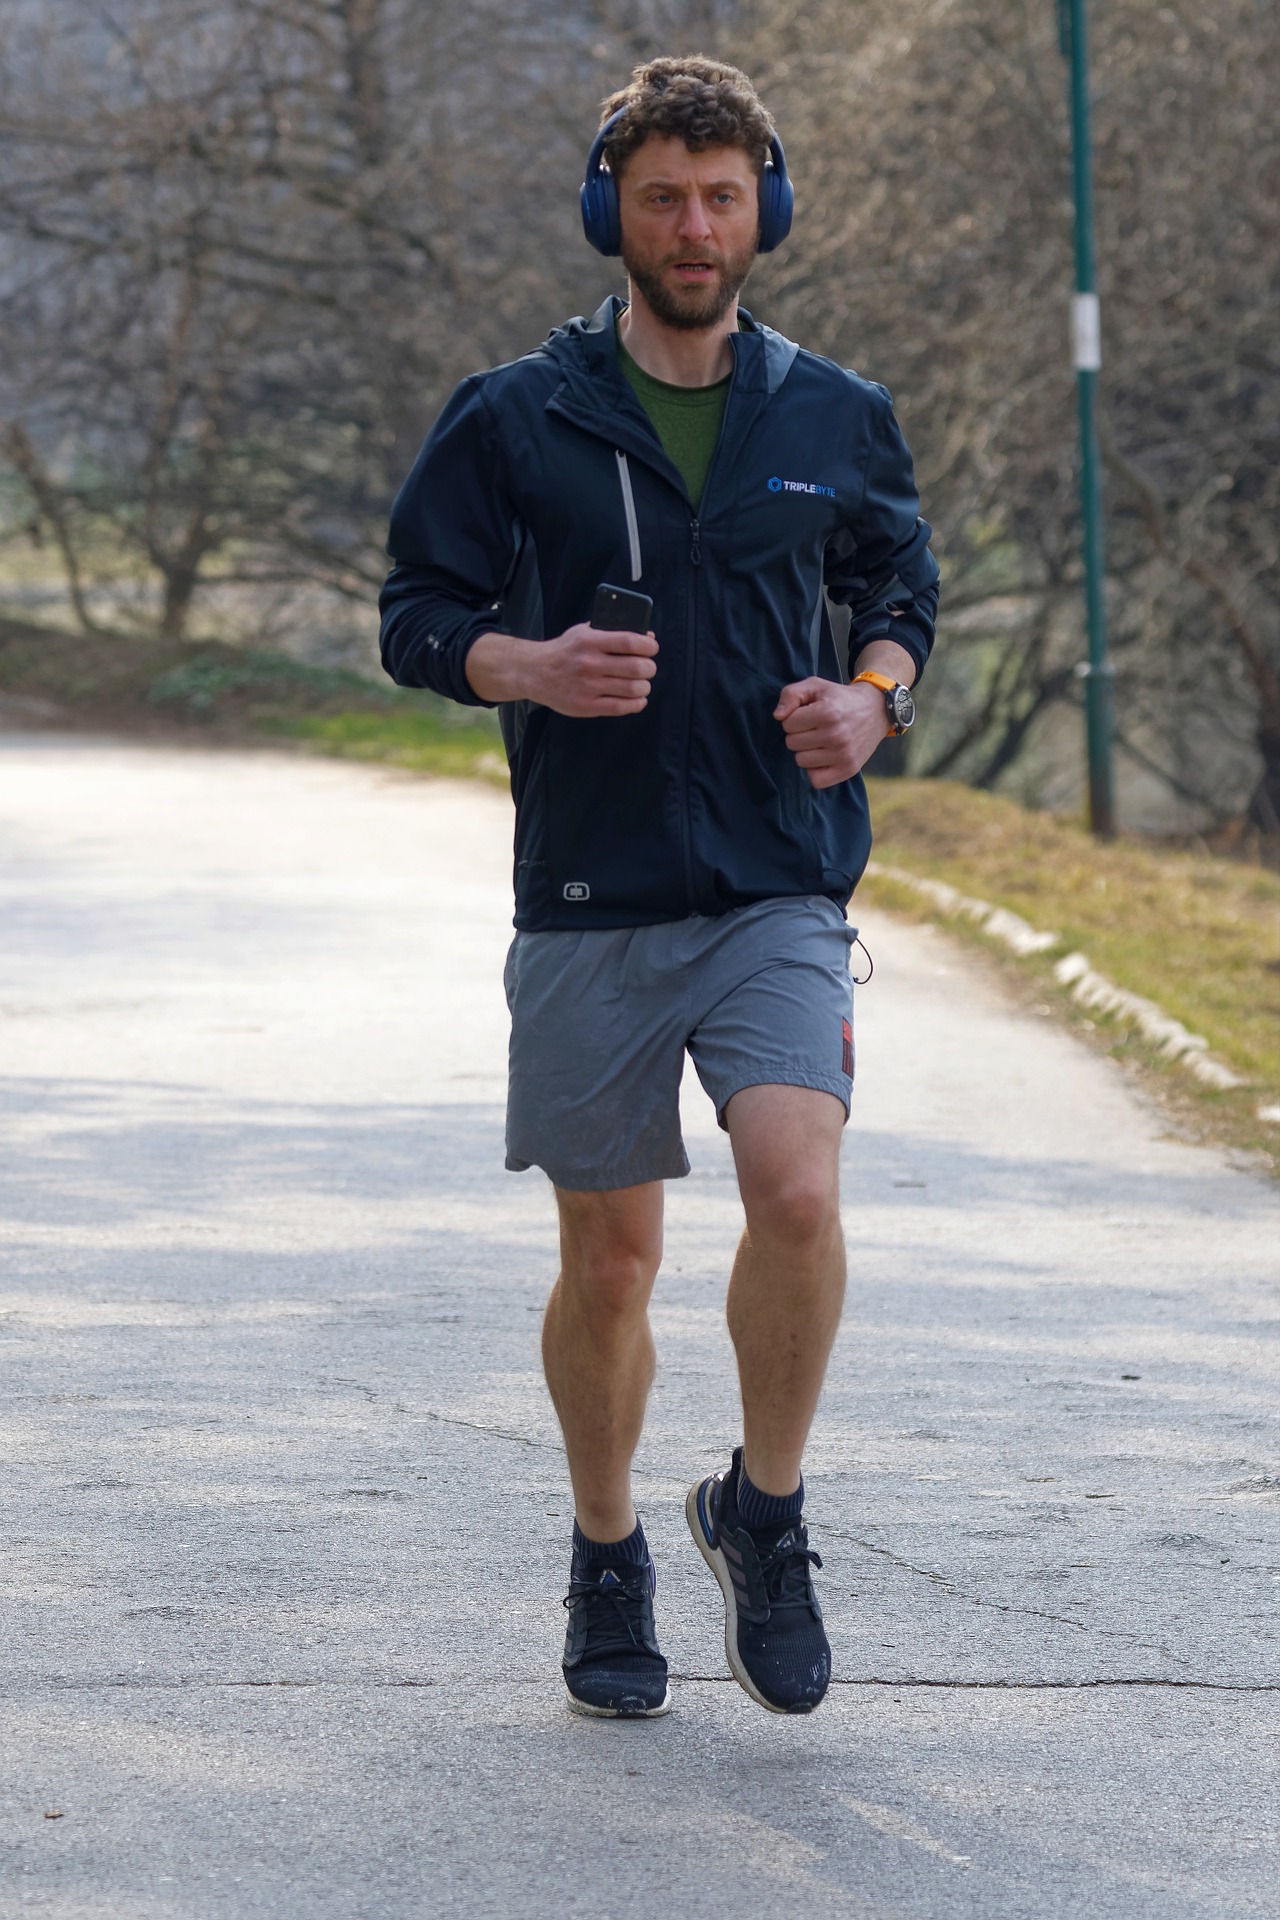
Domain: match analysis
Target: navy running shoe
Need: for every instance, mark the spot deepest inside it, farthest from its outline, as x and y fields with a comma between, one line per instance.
x=773, y=1631
x=612, y=1666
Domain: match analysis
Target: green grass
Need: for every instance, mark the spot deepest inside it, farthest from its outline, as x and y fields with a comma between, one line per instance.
x=210, y=689
x=206, y=680
x=420, y=739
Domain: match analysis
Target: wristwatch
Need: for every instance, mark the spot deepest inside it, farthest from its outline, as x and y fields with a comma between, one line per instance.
x=899, y=705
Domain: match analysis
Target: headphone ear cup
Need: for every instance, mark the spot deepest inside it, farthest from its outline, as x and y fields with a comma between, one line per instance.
x=777, y=203
x=600, y=221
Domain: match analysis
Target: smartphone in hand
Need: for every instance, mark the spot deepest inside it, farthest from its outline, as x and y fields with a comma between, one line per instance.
x=619, y=610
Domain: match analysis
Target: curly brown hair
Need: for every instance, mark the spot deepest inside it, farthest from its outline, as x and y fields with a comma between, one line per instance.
x=702, y=102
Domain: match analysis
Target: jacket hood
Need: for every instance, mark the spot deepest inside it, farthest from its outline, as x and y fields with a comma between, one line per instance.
x=587, y=344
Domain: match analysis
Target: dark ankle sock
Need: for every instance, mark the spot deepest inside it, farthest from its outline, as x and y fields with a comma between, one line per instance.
x=633, y=1551
x=758, y=1509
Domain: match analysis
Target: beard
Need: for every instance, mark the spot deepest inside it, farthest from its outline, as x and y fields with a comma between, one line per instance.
x=690, y=308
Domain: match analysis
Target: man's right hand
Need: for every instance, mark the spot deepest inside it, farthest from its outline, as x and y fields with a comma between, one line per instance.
x=586, y=673
x=590, y=672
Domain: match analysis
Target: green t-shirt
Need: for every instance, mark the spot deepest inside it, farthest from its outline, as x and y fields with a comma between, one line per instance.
x=685, y=419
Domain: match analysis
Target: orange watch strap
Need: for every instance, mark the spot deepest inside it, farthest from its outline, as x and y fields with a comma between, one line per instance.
x=884, y=681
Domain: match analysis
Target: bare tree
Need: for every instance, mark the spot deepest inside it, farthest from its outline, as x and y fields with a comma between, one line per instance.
x=931, y=148
x=246, y=252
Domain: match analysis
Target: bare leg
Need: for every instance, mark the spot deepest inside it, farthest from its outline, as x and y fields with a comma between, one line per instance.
x=787, y=1289
x=597, y=1350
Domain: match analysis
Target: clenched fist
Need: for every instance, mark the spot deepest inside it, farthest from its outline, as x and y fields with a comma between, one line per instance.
x=831, y=729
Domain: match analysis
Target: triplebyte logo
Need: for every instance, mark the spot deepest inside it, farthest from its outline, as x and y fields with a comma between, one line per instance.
x=801, y=486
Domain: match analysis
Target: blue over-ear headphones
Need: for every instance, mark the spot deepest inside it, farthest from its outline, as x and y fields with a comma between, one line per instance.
x=602, y=223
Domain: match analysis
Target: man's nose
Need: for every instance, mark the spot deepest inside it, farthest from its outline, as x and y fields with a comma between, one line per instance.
x=694, y=224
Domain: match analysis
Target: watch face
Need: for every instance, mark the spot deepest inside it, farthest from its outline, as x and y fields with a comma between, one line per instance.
x=904, y=708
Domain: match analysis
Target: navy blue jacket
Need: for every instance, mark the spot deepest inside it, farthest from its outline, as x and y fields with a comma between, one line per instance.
x=543, y=478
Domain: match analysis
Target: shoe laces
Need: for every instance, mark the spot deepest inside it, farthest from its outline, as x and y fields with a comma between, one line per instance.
x=784, y=1569
x=613, y=1608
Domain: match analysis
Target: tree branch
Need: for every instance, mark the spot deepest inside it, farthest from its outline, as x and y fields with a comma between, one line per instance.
x=1152, y=510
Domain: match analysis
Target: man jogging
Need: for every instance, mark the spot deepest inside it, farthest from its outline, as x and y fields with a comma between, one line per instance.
x=690, y=820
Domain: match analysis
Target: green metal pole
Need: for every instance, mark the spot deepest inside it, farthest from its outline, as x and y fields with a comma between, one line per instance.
x=1097, y=672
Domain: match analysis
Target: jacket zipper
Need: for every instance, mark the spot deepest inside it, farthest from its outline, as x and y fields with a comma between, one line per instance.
x=695, y=556
x=691, y=649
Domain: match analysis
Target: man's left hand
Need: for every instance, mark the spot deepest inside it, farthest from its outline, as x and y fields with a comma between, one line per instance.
x=831, y=729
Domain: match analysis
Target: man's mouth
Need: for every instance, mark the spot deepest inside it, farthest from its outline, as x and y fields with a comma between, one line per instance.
x=694, y=272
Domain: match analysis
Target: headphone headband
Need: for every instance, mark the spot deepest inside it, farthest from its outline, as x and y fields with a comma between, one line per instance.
x=601, y=216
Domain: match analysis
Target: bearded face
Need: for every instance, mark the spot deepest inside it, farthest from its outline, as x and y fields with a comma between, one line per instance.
x=689, y=287
x=690, y=225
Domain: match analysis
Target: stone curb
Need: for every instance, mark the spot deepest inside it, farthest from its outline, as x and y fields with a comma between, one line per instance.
x=1088, y=987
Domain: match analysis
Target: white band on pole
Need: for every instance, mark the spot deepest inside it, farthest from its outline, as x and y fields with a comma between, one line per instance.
x=1086, y=333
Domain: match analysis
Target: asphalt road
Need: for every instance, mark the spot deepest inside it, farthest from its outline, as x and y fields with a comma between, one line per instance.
x=286, y=1519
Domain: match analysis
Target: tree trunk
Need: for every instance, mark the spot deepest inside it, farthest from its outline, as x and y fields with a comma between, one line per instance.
x=16, y=443
x=1264, y=808
x=179, y=587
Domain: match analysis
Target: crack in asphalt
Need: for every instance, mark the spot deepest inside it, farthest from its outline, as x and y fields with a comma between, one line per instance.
x=498, y=1433
x=1066, y=1686
x=1003, y=1606
x=915, y=1682
x=868, y=1546
x=447, y=1419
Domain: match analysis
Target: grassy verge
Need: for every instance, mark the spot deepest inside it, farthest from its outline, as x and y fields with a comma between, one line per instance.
x=1199, y=935
x=421, y=740
x=222, y=693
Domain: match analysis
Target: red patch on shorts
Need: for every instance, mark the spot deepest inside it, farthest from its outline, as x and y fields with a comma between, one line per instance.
x=847, y=1057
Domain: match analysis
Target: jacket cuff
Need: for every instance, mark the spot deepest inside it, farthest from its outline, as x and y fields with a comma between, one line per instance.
x=462, y=690
x=905, y=633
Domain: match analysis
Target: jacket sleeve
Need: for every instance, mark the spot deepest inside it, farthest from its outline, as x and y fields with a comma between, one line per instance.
x=453, y=540
x=880, y=566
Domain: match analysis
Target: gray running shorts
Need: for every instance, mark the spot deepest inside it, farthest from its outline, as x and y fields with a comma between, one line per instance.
x=600, y=1022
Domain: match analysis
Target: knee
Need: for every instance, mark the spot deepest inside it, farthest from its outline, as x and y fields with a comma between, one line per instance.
x=796, y=1213
x=610, y=1275
x=613, y=1286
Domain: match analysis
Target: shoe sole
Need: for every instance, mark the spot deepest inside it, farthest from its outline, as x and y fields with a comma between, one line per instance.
x=618, y=1713
x=720, y=1567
